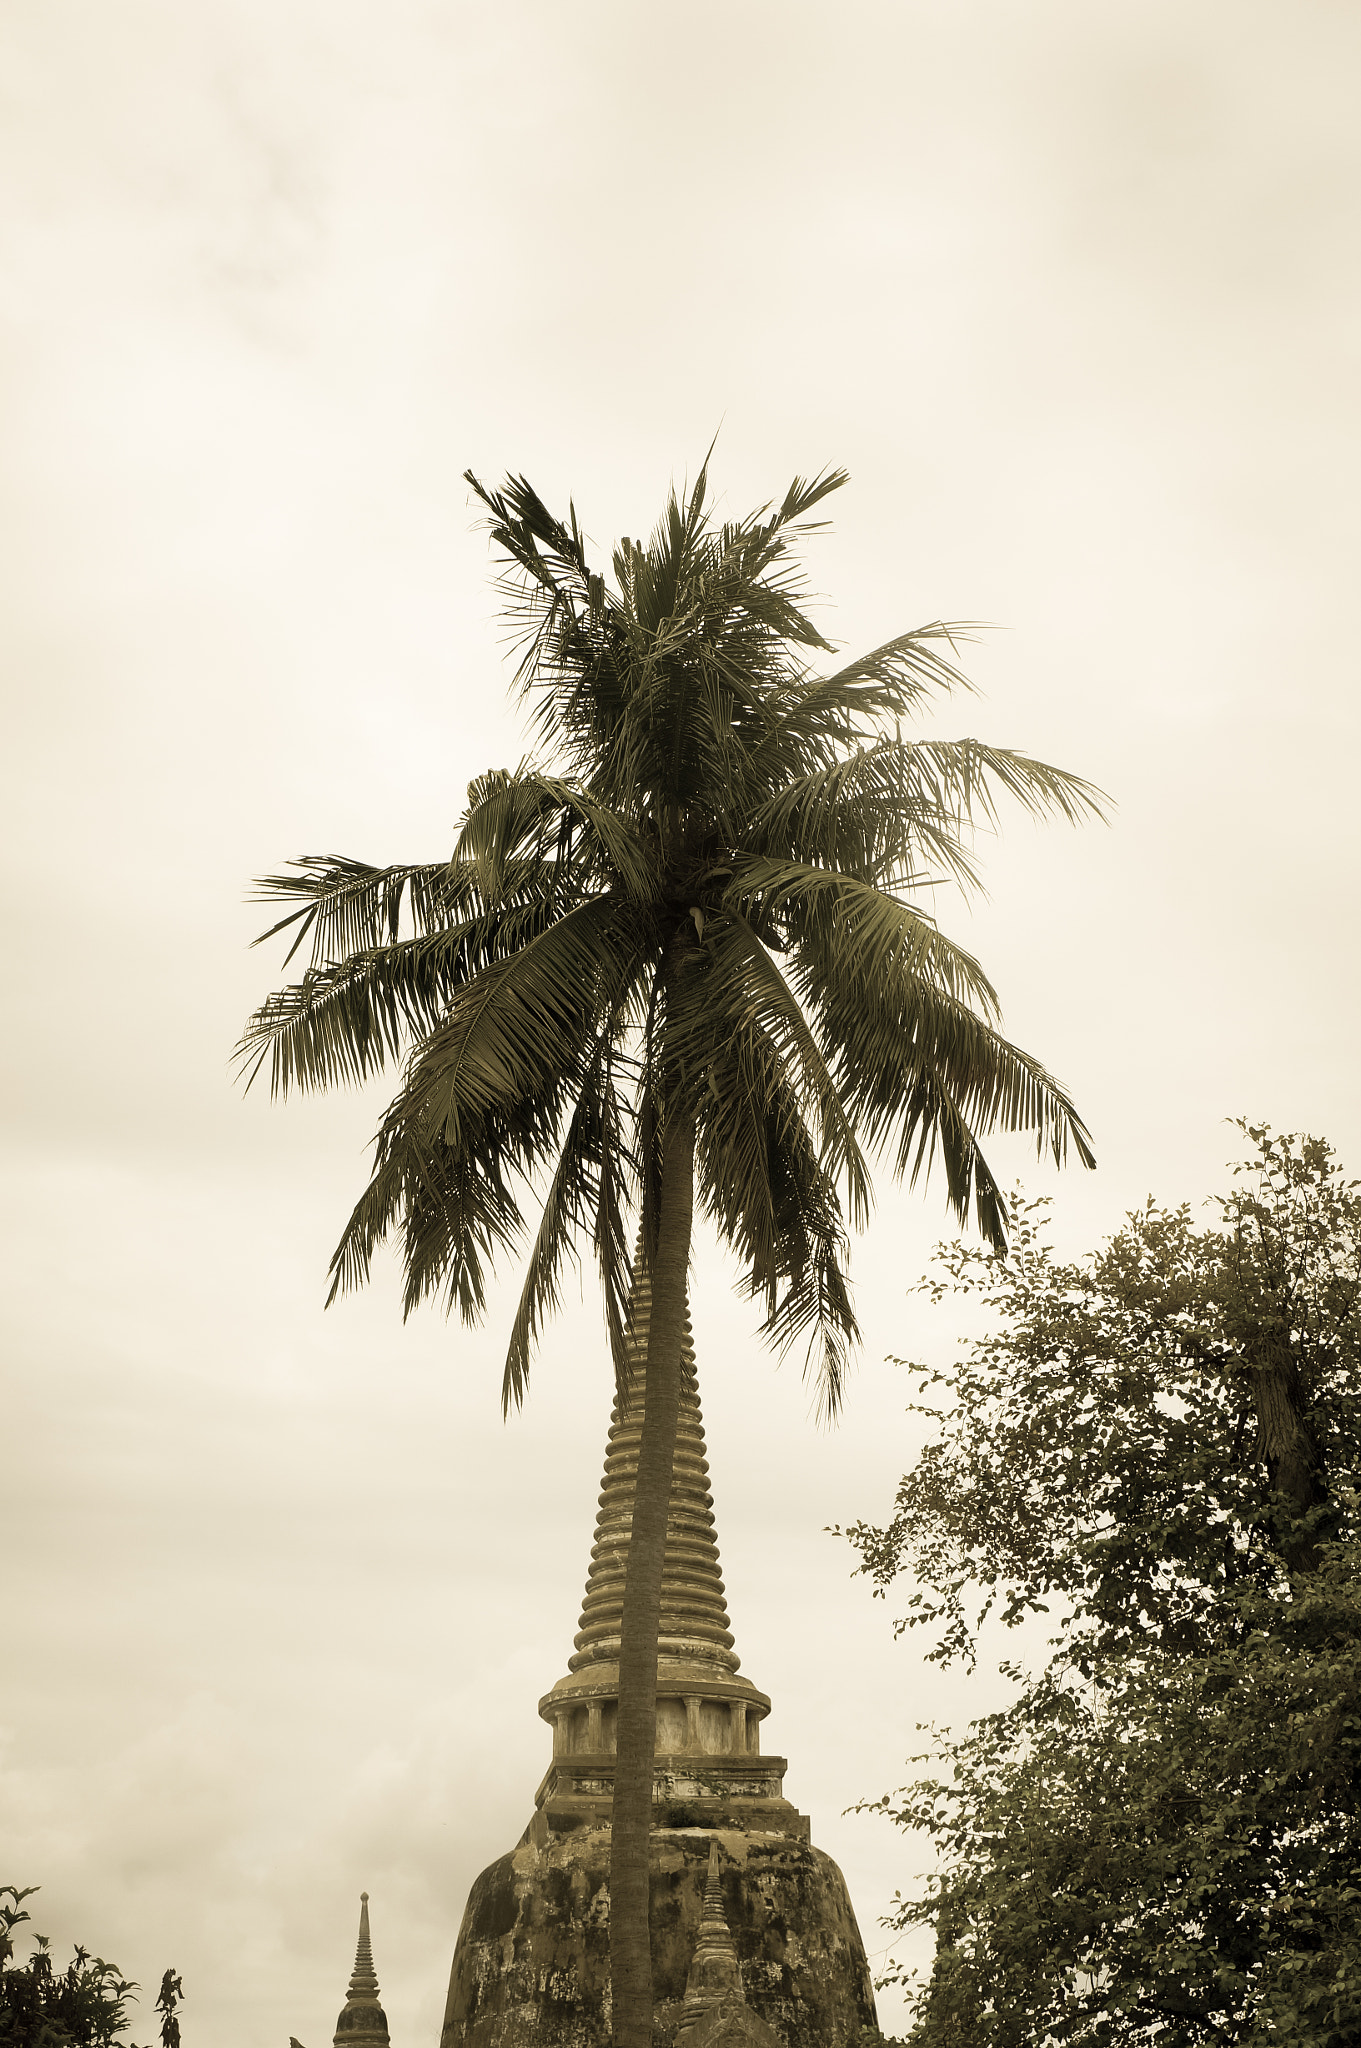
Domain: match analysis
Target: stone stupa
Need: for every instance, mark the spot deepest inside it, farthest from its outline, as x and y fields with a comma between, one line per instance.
x=531, y=1966
x=362, y=2022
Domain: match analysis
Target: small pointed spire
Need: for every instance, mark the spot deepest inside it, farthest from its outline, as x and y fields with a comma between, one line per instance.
x=715, y=1974
x=713, y=1915
x=715, y=2013
x=362, y=2022
x=363, y=1981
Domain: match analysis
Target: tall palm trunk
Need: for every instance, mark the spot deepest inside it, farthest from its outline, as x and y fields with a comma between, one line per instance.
x=631, y=1821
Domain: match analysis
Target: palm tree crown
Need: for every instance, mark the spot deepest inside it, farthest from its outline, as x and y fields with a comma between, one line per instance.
x=715, y=805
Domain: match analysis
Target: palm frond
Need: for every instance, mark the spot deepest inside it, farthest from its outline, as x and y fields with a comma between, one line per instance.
x=617, y=1194
x=339, y=1025
x=902, y=1043
x=511, y=822
x=891, y=811
x=802, y=495
x=859, y=814
x=931, y=1121
x=743, y=988
x=454, y=1213
x=546, y=549
x=594, y=844
x=817, y=714
x=346, y=906
x=764, y=1184
x=952, y=781
x=524, y=1016
x=483, y=1103
x=870, y=941
x=567, y=623
x=585, y=1191
x=890, y=680
x=345, y=1021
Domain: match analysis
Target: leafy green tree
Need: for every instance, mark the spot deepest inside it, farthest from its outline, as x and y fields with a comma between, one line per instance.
x=83, y=2006
x=683, y=955
x=1159, y=1840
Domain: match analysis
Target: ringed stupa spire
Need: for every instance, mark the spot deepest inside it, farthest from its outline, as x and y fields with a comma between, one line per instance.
x=708, y=1715
x=694, y=1612
x=362, y=2022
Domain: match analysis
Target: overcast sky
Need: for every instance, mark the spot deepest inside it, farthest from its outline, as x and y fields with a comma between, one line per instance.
x=1071, y=289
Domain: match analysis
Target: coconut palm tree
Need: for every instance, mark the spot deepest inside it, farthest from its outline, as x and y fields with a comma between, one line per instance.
x=684, y=954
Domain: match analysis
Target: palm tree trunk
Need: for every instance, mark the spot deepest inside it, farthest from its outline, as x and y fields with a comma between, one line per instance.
x=631, y=1822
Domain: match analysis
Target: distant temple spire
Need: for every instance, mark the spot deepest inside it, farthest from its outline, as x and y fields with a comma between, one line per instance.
x=362, y=2022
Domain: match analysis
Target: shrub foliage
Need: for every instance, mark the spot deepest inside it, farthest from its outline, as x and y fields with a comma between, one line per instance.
x=83, y=2006
x=1159, y=1839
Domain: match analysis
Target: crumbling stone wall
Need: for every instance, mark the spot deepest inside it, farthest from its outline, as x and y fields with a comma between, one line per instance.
x=532, y=1967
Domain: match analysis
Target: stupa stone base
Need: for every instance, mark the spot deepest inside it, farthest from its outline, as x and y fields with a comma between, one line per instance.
x=532, y=1964
x=712, y=1792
